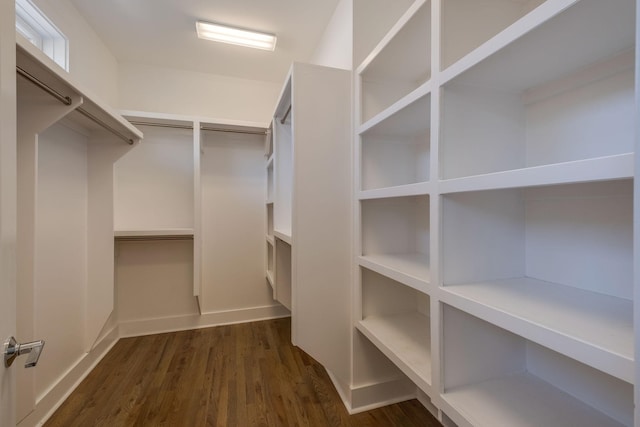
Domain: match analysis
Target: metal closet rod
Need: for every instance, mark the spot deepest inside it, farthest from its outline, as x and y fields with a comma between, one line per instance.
x=67, y=101
x=286, y=114
x=205, y=128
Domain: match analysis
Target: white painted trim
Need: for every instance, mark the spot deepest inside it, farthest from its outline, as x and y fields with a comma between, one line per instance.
x=196, y=321
x=374, y=396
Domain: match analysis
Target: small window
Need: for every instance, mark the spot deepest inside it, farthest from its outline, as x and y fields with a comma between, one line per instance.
x=34, y=25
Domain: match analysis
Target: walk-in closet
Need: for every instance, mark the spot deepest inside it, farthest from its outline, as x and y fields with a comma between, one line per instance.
x=390, y=212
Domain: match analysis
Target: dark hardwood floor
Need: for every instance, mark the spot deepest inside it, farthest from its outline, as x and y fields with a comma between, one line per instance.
x=239, y=375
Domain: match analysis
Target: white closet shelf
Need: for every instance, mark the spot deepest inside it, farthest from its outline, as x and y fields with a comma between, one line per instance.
x=570, y=26
x=619, y=166
x=593, y=328
x=271, y=240
x=88, y=112
x=285, y=236
x=408, y=115
x=385, y=59
x=270, y=161
x=164, y=233
x=417, y=189
x=520, y=400
x=405, y=339
x=409, y=269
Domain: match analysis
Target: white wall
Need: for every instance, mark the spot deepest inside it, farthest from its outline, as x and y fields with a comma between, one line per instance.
x=91, y=63
x=166, y=90
x=335, y=48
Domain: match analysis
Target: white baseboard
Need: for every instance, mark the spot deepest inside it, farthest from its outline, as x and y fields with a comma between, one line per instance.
x=373, y=396
x=58, y=393
x=138, y=328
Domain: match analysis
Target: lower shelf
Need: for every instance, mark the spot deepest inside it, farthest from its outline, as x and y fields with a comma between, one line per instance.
x=406, y=340
x=522, y=400
x=561, y=317
x=409, y=269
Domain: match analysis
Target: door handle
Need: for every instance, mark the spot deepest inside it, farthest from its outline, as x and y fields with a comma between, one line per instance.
x=13, y=349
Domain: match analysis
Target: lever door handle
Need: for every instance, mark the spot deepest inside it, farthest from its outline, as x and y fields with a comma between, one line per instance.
x=13, y=349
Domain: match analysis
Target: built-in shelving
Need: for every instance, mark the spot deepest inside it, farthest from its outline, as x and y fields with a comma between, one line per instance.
x=493, y=377
x=396, y=151
x=395, y=238
x=498, y=187
x=309, y=216
x=65, y=147
x=395, y=318
x=399, y=64
x=566, y=108
x=565, y=255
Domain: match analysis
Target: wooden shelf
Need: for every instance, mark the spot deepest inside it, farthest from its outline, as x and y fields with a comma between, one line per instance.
x=593, y=328
x=598, y=169
x=409, y=269
x=405, y=339
x=520, y=400
x=165, y=233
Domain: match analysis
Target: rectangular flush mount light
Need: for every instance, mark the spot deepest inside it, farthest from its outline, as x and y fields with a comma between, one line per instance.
x=237, y=36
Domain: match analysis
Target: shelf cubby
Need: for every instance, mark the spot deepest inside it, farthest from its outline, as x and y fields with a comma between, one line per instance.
x=552, y=263
x=283, y=176
x=566, y=108
x=466, y=24
x=283, y=273
x=493, y=377
x=154, y=182
x=395, y=151
x=399, y=64
x=395, y=318
x=269, y=208
x=395, y=239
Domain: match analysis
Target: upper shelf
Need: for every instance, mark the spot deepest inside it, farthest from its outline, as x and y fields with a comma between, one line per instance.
x=42, y=80
x=399, y=64
x=158, y=234
x=590, y=30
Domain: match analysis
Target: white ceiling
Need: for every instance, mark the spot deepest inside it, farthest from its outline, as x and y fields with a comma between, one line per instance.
x=162, y=33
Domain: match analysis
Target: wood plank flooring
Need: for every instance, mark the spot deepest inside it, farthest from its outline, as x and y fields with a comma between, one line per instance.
x=238, y=375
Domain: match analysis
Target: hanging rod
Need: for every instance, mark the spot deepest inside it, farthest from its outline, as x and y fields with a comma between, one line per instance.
x=284, y=118
x=42, y=85
x=205, y=128
x=67, y=101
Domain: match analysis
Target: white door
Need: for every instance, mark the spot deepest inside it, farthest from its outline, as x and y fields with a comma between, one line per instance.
x=7, y=204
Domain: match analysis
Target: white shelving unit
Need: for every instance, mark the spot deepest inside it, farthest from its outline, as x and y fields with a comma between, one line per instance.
x=494, y=209
x=168, y=188
x=67, y=143
x=308, y=211
x=494, y=377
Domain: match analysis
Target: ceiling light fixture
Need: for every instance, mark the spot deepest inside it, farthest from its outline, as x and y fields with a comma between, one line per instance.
x=237, y=36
